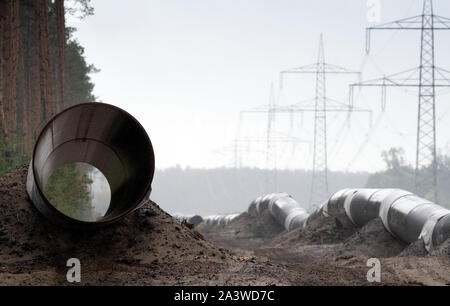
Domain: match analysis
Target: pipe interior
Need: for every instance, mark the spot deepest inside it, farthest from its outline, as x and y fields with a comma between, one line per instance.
x=105, y=137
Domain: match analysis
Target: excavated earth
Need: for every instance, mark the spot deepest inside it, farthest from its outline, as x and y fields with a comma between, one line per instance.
x=326, y=242
x=149, y=247
x=244, y=234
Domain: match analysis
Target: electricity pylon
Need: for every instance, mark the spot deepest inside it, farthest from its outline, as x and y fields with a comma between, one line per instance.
x=271, y=154
x=319, y=184
x=320, y=107
x=270, y=141
x=423, y=77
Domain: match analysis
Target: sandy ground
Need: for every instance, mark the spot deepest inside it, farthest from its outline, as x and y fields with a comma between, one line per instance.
x=149, y=247
x=325, y=243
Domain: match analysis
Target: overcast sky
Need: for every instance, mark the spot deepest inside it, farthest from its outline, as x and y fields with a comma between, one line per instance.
x=186, y=68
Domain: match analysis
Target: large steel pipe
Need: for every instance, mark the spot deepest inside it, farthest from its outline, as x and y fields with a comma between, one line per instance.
x=215, y=220
x=364, y=205
x=287, y=211
x=105, y=137
x=337, y=206
x=263, y=204
x=252, y=208
x=282, y=207
x=405, y=215
x=409, y=217
x=440, y=232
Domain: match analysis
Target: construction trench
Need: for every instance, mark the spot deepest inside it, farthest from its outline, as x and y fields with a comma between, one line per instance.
x=275, y=242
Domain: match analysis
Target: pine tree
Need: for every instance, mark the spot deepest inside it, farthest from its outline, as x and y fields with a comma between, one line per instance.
x=42, y=71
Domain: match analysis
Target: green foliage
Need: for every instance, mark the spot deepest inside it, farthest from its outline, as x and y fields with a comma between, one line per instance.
x=398, y=174
x=80, y=85
x=80, y=88
x=79, y=8
x=68, y=189
x=10, y=158
x=394, y=158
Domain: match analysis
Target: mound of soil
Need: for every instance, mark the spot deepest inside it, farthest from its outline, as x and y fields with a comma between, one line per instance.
x=322, y=230
x=414, y=249
x=326, y=239
x=244, y=233
x=146, y=247
x=149, y=247
x=327, y=243
x=372, y=240
x=442, y=250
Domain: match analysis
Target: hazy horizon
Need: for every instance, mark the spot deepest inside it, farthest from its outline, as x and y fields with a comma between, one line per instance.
x=185, y=69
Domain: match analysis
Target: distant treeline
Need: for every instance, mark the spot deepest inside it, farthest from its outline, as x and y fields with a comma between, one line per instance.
x=400, y=174
x=226, y=190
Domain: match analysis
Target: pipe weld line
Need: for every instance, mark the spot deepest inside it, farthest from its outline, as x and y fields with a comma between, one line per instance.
x=387, y=203
x=427, y=232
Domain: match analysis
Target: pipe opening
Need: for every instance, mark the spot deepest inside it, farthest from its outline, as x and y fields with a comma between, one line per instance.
x=97, y=137
x=79, y=190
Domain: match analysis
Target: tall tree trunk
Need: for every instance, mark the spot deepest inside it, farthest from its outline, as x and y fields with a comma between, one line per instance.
x=31, y=112
x=46, y=70
x=23, y=96
x=11, y=65
x=28, y=71
x=61, y=40
x=3, y=124
x=36, y=105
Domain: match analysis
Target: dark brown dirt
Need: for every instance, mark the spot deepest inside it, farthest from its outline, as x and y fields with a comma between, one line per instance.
x=148, y=247
x=322, y=230
x=442, y=250
x=325, y=239
x=326, y=243
x=243, y=233
x=414, y=249
x=372, y=240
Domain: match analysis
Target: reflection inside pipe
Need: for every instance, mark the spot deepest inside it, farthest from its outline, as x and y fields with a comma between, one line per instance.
x=80, y=191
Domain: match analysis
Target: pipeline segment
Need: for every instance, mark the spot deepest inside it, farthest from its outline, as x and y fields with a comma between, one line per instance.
x=405, y=215
x=105, y=137
x=409, y=217
x=282, y=207
x=214, y=220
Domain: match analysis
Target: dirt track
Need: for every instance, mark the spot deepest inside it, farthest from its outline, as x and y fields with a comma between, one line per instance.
x=325, y=243
x=149, y=247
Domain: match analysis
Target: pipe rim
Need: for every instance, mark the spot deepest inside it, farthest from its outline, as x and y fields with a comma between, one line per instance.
x=104, y=220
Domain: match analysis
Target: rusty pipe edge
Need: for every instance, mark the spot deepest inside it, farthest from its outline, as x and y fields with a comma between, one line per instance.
x=105, y=137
